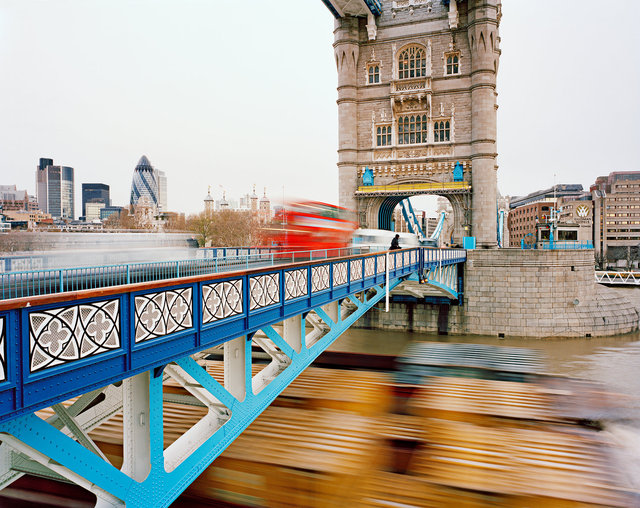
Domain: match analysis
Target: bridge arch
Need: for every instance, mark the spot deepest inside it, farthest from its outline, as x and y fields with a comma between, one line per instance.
x=377, y=210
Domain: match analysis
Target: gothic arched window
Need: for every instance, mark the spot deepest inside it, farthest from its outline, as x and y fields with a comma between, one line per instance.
x=412, y=129
x=412, y=63
x=441, y=131
x=453, y=64
x=383, y=135
x=374, y=74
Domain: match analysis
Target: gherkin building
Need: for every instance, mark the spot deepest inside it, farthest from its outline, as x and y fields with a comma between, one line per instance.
x=145, y=183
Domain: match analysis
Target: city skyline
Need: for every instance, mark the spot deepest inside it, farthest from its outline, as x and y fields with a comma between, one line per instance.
x=213, y=118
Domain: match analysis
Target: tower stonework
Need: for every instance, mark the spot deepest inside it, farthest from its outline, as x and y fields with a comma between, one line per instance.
x=416, y=95
x=347, y=52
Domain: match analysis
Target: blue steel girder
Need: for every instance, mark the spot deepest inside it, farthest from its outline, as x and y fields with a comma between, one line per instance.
x=437, y=271
x=410, y=217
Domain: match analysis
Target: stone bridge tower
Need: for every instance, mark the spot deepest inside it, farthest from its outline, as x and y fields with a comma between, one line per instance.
x=416, y=97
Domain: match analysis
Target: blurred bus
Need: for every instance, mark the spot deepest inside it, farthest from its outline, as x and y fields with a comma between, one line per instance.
x=310, y=225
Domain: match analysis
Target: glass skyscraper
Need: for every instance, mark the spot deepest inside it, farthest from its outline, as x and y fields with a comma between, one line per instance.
x=149, y=183
x=55, y=189
x=145, y=184
x=94, y=193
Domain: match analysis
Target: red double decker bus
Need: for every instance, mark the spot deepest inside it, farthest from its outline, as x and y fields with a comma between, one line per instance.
x=310, y=225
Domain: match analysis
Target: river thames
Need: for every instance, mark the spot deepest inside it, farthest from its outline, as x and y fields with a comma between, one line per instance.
x=614, y=362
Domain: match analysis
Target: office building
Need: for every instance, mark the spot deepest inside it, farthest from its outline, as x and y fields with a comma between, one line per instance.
x=555, y=192
x=616, y=215
x=94, y=193
x=13, y=199
x=93, y=211
x=524, y=220
x=144, y=185
x=161, y=178
x=108, y=211
x=55, y=189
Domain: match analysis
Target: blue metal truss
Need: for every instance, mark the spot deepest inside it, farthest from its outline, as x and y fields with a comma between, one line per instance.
x=410, y=217
x=444, y=278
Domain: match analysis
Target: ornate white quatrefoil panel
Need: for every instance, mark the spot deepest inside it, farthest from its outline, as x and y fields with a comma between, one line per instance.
x=264, y=290
x=356, y=269
x=58, y=336
x=339, y=274
x=319, y=278
x=221, y=300
x=3, y=349
x=159, y=314
x=369, y=267
x=295, y=283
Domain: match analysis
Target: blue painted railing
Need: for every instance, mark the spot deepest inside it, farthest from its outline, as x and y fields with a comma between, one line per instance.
x=21, y=284
x=55, y=347
x=566, y=245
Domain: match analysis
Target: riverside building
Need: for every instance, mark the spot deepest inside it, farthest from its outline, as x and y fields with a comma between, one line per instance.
x=616, y=215
x=13, y=199
x=524, y=220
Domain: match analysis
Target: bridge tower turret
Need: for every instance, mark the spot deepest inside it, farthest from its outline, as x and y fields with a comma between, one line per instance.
x=482, y=31
x=346, y=50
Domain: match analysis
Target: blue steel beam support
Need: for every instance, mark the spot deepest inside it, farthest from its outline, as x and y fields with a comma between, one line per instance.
x=410, y=217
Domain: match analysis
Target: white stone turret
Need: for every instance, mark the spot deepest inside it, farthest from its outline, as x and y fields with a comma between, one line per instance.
x=208, y=202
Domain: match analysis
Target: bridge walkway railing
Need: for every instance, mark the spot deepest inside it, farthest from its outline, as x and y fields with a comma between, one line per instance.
x=20, y=284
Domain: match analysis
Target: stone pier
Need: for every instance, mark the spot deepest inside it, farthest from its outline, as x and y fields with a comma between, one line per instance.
x=532, y=293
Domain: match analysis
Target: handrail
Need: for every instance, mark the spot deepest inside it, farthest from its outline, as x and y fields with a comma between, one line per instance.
x=29, y=284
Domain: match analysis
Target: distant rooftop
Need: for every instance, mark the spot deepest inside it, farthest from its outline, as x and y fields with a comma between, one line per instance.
x=559, y=190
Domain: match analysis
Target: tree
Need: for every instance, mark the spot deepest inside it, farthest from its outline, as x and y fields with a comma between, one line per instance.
x=176, y=222
x=599, y=260
x=226, y=228
x=202, y=226
x=122, y=220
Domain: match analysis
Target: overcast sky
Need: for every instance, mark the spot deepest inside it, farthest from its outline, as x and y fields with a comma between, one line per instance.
x=231, y=94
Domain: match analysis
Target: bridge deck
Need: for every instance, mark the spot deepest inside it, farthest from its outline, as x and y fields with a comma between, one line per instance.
x=57, y=346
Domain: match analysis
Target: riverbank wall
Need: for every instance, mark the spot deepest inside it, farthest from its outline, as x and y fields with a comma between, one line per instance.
x=523, y=293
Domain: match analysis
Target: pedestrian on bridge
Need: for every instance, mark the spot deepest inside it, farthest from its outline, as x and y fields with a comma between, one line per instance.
x=395, y=243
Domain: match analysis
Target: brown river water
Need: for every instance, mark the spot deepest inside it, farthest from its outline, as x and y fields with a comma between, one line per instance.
x=614, y=362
